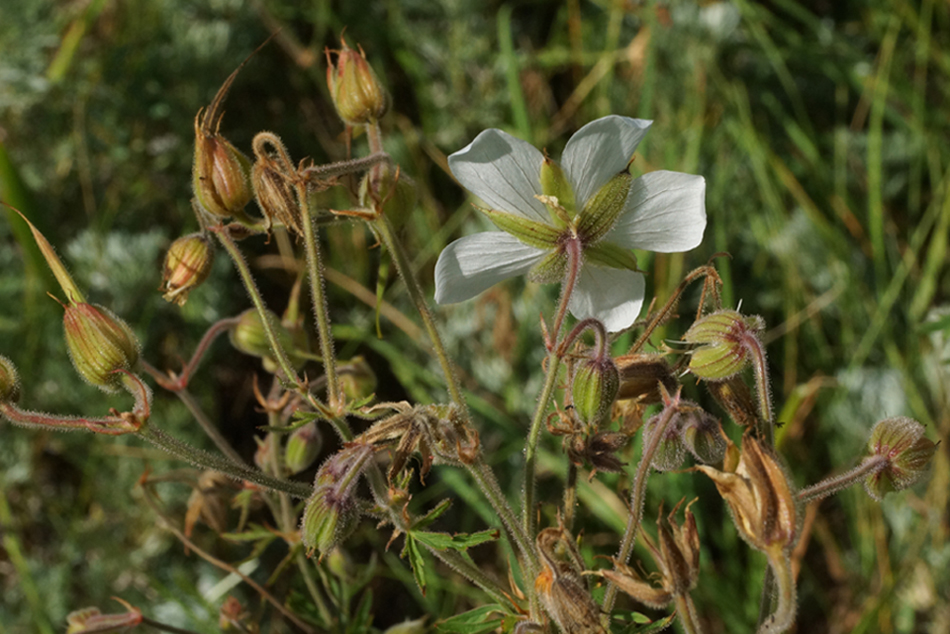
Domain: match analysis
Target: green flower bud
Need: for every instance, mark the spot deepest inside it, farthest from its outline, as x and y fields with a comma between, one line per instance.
x=726, y=351
x=219, y=175
x=594, y=390
x=357, y=93
x=187, y=265
x=9, y=381
x=901, y=440
x=302, y=448
x=332, y=512
x=99, y=345
x=249, y=337
x=602, y=210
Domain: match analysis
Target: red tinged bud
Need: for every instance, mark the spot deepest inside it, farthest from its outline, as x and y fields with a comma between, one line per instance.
x=100, y=345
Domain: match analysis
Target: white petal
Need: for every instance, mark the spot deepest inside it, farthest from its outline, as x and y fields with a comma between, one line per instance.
x=503, y=171
x=474, y=263
x=666, y=212
x=599, y=151
x=613, y=296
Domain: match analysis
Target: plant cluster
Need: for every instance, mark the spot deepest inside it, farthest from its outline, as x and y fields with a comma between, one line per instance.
x=573, y=222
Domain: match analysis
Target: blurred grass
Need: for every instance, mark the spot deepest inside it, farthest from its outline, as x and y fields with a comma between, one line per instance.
x=821, y=129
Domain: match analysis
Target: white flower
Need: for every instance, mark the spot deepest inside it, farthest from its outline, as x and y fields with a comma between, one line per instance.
x=590, y=198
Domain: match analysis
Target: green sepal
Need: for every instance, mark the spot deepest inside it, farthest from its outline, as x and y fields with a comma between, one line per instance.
x=551, y=269
x=717, y=361
x=554, y=184
x=534, y=234
x=611, y=255
x=602, y=210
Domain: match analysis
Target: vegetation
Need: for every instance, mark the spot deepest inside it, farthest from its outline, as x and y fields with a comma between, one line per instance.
x=821, y=131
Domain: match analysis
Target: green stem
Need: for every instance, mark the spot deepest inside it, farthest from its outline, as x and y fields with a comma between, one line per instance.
x=784, y=614
x=251, y=286
x=531, y=446
x=485, y=478
x=687, y=614
x=573, y=250
x=638, y=497
x=386, y=235
x=205, y=460
x=318, y=298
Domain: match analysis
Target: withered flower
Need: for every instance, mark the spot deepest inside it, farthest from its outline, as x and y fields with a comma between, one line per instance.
x=209, y=502
x=640, y=377
x=437, y=432
x=734, y=395
x=273, y=178
x=676, y=558
x=760, y=497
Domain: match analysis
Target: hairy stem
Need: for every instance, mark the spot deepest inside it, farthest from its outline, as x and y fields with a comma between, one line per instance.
x=686, y=611
x=637, y=499
x=205, y=460
x=251, y=286
x=829, y=486
x=318, y=299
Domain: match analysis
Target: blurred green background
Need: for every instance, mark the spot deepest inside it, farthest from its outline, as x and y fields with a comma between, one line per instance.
x=821, y=128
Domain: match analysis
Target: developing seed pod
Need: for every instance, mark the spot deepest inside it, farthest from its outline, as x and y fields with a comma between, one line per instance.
x=249, y=337
x=302, y=448
x=332, y=512
x=9, y=381
x=357, y=93
x=901, y=440
x=594, y=390
x=100, y=344
x=388, y=191
x=188, y=263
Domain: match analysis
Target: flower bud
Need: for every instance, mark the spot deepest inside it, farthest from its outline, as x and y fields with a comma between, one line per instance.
x=332, y=512
x=671, y=451
x=641, y=375
x=594, y=389
x=702, y=435
x=187, y=265
x=726, y=334
x=357, y=93
x=220, y=172
x=249, y=337
x=302, y=448
x=9, y=381
x=901, y=440
x=100, y=344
